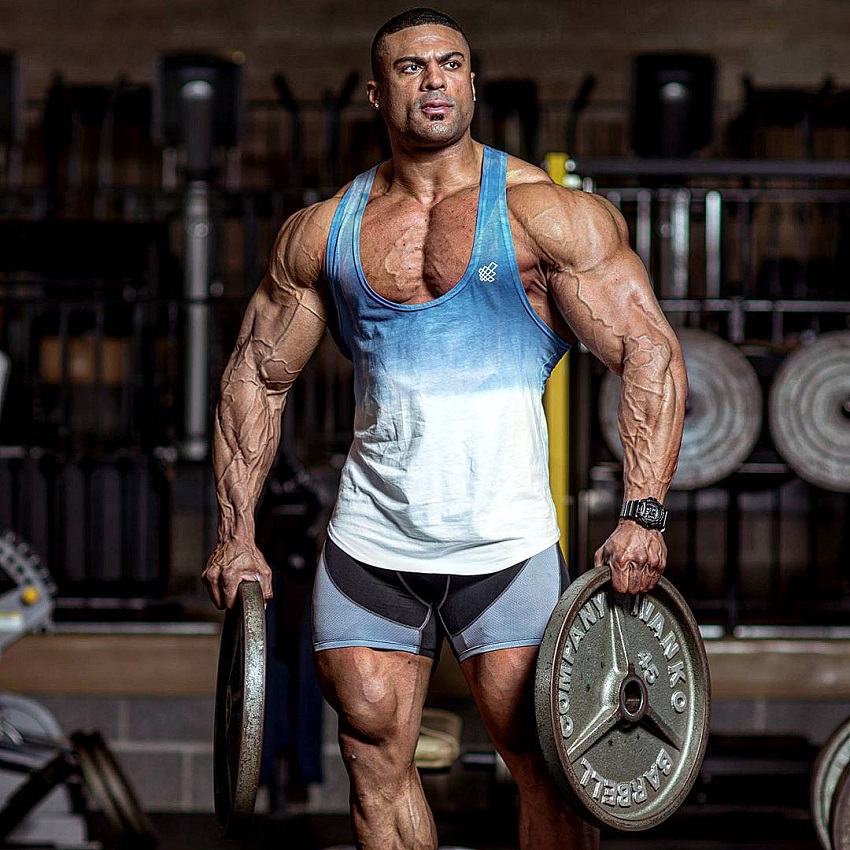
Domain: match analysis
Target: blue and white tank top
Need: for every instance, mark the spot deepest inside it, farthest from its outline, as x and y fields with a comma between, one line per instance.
x=448, y=468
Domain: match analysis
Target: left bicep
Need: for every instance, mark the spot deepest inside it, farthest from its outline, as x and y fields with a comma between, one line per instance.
x=601, y=287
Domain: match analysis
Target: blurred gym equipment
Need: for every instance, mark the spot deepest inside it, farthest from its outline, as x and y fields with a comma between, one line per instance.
x=672, y=104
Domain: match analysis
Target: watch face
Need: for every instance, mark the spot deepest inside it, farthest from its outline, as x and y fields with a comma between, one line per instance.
x=649, y=512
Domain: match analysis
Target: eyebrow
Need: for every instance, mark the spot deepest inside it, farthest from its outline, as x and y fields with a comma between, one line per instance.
x=420, y=60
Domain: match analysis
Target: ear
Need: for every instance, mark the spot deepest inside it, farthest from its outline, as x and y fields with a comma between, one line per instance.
x=472, y=82
x=373, y=93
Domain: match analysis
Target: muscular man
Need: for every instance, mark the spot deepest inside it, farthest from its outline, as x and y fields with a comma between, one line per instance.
x=455, y=277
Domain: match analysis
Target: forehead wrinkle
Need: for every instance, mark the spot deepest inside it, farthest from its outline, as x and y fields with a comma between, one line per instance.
x=422, y=59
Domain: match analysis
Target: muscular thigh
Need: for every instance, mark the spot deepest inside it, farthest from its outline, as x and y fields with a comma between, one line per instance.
x=503, y=645
x=377, y=694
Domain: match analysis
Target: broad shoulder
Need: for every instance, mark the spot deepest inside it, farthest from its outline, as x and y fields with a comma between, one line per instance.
x=312, y=222
x=522, y=173
x=566, y=225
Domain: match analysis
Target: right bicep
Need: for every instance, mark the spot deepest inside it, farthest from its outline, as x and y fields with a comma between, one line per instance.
x=287, y=315
x=280, y=332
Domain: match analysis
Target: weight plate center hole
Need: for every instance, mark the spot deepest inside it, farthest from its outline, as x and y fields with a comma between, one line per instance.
x=634, y=698
x=845, y=408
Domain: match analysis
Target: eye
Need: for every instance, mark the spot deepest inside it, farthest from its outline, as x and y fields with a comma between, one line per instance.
x=452, y=64
x=409, y=68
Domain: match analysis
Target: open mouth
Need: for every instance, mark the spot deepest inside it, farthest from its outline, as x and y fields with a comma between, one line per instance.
x=436, y=109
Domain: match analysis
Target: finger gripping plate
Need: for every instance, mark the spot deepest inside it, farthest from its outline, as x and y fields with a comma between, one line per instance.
x=239, y=710
x=622, y=699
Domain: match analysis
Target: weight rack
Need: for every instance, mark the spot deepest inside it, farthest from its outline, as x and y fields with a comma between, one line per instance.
x=727, y=244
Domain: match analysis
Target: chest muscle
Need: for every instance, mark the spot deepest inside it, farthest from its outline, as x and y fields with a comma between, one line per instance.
x=412, y=254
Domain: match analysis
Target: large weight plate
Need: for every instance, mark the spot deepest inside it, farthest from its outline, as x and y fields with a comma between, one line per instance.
x=832, y=759
x=239, y=710
x=723, y=416
x=622, y=699
x=840, y=817
x=809, y=411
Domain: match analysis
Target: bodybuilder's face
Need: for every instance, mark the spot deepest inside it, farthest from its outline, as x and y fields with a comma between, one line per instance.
x=425, y=91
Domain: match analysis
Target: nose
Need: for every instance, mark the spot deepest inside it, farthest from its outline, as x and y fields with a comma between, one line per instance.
x=433, y=79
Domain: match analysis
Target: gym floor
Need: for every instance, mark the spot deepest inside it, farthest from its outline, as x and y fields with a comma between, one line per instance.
x=751, y=795
x=688, y=830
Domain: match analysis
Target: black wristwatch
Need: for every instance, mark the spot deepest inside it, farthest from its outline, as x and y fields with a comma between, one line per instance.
x=649, y=513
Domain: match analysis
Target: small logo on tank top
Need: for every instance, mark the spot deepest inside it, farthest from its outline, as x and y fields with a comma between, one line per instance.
x=488, y=273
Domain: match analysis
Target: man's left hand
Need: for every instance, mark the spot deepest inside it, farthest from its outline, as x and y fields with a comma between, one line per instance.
x=637, y=557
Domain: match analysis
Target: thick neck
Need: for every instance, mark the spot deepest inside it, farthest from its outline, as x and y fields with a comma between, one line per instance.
x=431, y=175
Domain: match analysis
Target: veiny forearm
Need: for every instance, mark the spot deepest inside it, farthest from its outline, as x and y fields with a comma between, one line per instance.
x=274, y=346
x=282, y=326
x=245, y=440
x=280, y=331
x=651, y=414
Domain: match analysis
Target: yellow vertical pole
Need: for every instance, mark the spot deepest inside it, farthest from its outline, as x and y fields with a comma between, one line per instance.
x=556, y=403
x=556, y=400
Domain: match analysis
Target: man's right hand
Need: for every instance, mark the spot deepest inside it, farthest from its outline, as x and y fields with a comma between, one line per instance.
x=228, y=566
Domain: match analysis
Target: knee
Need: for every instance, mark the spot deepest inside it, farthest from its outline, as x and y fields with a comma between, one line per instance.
x=519, y=747
x=515, y=740
x=372, y=717
x=375, y=740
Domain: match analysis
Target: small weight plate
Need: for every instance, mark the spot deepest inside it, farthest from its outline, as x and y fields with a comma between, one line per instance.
x=622, y=699
x=97, y=795
x=239, y=710
x=723, y=416
x=833, y=757
x=840, y=816
x=119, y=789
x=809, y=411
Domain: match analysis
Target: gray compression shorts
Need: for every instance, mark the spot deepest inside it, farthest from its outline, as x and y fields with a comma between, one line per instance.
x=358, y=605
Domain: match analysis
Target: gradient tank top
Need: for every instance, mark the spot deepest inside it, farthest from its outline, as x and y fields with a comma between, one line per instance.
x=448, y=468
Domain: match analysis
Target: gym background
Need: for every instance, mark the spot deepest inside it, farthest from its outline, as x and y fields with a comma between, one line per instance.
x=135, y=221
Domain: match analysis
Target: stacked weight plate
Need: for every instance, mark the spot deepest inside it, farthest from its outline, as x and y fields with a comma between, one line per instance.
x=830, y=791
x=809, y=411
x=109, y=792
x=723, y=416
x=839, y=826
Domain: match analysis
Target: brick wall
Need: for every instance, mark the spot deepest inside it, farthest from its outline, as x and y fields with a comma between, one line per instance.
x=316, y=43
x=164, y=745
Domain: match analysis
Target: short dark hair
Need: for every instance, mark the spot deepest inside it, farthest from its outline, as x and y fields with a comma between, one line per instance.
x=415, y=17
